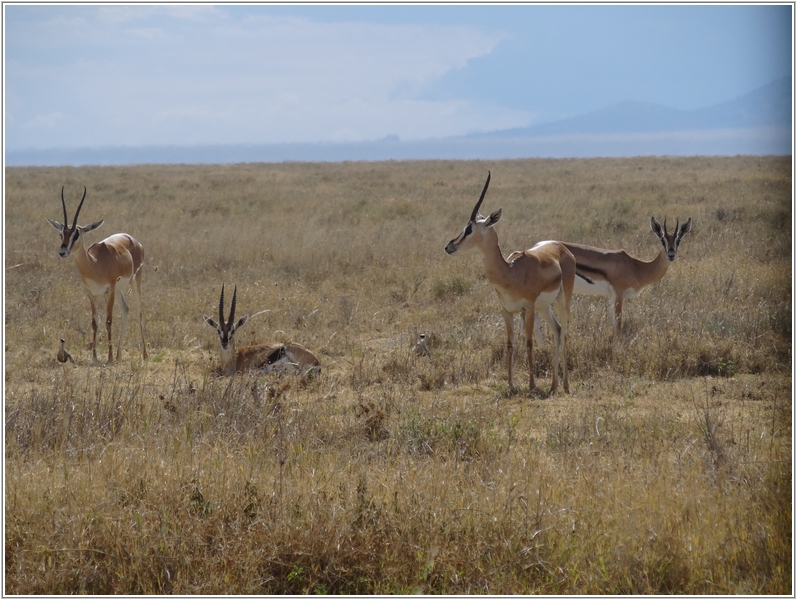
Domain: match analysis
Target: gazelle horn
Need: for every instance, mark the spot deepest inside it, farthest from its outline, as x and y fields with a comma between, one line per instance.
x=74, y=223
x=479, y=203
x=66, y=219
x=221, y=305
x=232, y=307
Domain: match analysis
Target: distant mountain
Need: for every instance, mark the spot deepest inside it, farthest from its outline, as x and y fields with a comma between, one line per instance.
x=767, y=106
x=758, y=123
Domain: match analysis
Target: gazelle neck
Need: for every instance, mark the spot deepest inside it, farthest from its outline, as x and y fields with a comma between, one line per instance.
x=495, y=265
x=228, y=356
x=86, y=263
x=657, y=268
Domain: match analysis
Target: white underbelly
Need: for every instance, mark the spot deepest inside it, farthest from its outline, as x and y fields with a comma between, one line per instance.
x=598, y=287
x=517, y=305
x=513, y=305
x=97, y=290
x=545, y=299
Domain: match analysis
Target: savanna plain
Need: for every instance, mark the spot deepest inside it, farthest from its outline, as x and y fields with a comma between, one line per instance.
x=666, y=470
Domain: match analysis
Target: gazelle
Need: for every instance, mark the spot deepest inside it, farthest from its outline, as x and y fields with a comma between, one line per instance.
x=107, y=267
x=266, y=358
x=526, y=282
x=618, y=275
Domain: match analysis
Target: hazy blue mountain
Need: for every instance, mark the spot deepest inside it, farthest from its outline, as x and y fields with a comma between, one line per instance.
x=768, y=106
x=757, y=123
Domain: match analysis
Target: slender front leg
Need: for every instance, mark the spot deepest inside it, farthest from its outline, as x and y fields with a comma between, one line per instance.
x=510, y=344
x=94, y=326
x=109, y=321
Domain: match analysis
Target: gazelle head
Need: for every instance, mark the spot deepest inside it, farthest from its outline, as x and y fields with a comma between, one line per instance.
x=477, y=227
x=226, y=329
x=670, y=241
x=70, y=235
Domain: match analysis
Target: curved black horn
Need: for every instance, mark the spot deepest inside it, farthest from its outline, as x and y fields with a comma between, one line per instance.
x=74, y=223
x=479, y=203
x=665, y=225
x=232, y=307
x=676, y=225
x=221, y=305
x=66, y=219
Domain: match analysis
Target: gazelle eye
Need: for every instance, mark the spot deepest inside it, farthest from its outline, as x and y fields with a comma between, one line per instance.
x=468, y=229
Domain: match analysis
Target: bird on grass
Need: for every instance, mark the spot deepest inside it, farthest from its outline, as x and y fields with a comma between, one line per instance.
x=63, y=355
x=420, y=348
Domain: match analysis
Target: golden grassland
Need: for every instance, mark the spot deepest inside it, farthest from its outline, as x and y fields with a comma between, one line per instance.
x=667, y=469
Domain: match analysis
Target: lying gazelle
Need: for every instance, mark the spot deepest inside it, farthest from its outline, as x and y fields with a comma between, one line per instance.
x=618, y=275
x=526, y=282
x=107, y=267
x=266, y=358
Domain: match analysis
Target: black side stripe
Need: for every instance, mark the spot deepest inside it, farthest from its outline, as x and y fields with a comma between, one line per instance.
x=585, y=278
x=276, y=355
x=595, y=270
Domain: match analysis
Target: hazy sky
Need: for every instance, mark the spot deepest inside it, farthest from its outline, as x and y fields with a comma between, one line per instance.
x=82, y=76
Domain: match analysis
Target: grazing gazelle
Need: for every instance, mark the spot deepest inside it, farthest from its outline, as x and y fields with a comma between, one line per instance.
x=618, y=275
x=526, y=282
x=266, y=358
x=107, y=267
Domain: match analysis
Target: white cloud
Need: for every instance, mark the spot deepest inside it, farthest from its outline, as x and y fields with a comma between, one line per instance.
x=131, y=75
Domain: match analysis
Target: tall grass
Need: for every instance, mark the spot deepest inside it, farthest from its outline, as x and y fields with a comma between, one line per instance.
x=667, y=470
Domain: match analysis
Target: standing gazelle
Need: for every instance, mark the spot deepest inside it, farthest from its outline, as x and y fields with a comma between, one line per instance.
x=618, y=275
x=266, y=358
x=107, y=267
x=526, y=282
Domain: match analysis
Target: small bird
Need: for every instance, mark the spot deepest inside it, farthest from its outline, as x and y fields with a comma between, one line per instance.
x=63, y=355
x=420, y=348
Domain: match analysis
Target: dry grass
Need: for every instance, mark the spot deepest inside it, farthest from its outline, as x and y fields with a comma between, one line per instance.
x=667, y=470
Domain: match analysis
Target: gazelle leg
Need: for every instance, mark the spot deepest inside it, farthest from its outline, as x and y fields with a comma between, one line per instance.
x=618, y=313
x=528, y=323
x=109, y=320
x=125, y=310
x=137, y=294
x=557, y=330
x=537, y=332
x=94, y=326
x=510, y=344
x=564, y=318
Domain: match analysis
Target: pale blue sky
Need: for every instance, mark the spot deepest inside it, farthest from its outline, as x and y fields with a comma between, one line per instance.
x=116, y=75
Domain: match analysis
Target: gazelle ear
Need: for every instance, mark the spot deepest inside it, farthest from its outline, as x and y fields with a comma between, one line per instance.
x=493, y=218
x=90, y=227
x=55, y=224
x=654, y=225
x=685, y=228
x=240, y=322
x=210, y=322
